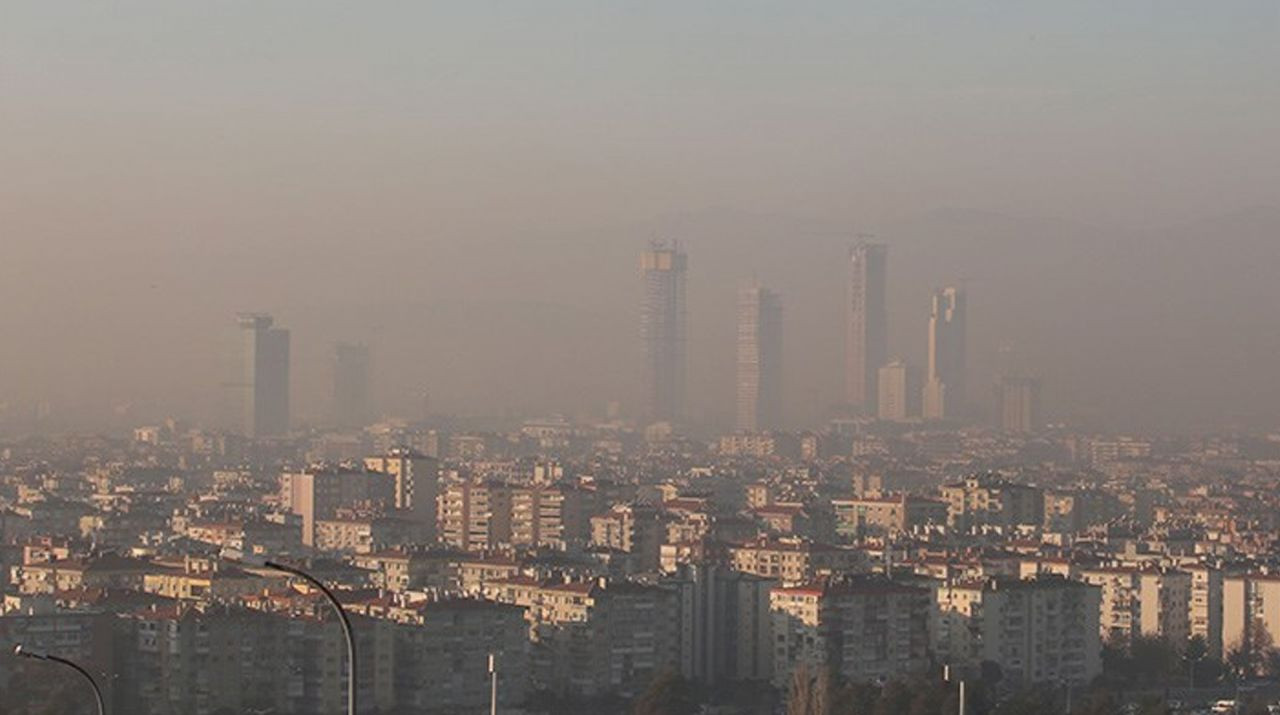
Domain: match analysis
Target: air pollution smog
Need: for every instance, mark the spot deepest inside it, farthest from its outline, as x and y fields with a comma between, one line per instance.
x=720, y=358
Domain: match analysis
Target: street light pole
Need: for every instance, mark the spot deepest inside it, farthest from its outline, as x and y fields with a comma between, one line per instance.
x=254, y=560
x=493, y=684
x=946, y=677
x=342, y=618
x=18, y=650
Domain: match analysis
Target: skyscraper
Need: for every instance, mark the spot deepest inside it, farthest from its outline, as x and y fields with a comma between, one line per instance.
x=899, y=391
x=266, y=376
x=662, y=330
x=759, y=382
x=944, y=391
x=1019, y=403
x=351, y=406
x=866, y=324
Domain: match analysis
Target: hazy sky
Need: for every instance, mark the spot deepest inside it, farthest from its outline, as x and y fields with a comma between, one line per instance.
x=465, y=185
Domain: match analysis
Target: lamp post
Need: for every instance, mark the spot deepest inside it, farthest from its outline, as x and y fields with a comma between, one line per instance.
x=21, y=652
x=254, y=560
x=493, y=684
x=946, y=676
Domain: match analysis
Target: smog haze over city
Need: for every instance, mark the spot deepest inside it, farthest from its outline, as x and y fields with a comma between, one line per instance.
x=640, y=358
x=465, y=187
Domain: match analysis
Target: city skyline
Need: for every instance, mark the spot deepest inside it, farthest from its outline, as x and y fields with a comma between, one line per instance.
x=495, y=192
x=759, y=394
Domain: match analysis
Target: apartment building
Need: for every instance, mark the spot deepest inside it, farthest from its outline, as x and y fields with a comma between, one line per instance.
x=198, y=579
x=1070, y=511
x=318, y=493
x=1042, y=630
x=415, y=486
x=83, y=637
x=203, y=661
x=867, y=628
x=793, y=561
x=726, y=628
x=353, y=534
x=760, y=445
x=1250, y=611
x=1206, y=606
x=888, y=514
x=476, y=516
x=596, y=637
x=108, y=570
x=397, y=570
x=637, y=529
x=442, y=656
x=989, y=500
x=552, y=516
x=1135, y=601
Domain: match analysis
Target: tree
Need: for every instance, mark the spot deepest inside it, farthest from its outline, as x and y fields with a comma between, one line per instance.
x=746, y=697
x=855, y=699
x=990, y=673
x=811, y=693
x=1154, y=706
x=895, y=698
x=932, y=697
x=1238, y=662
x=1262, y=646
x=800, y=694
x=1193, y=652
x=668, y=694
x=1036, y=701
x=1153, y=658
x=1099, y=702
x=1254, y=654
